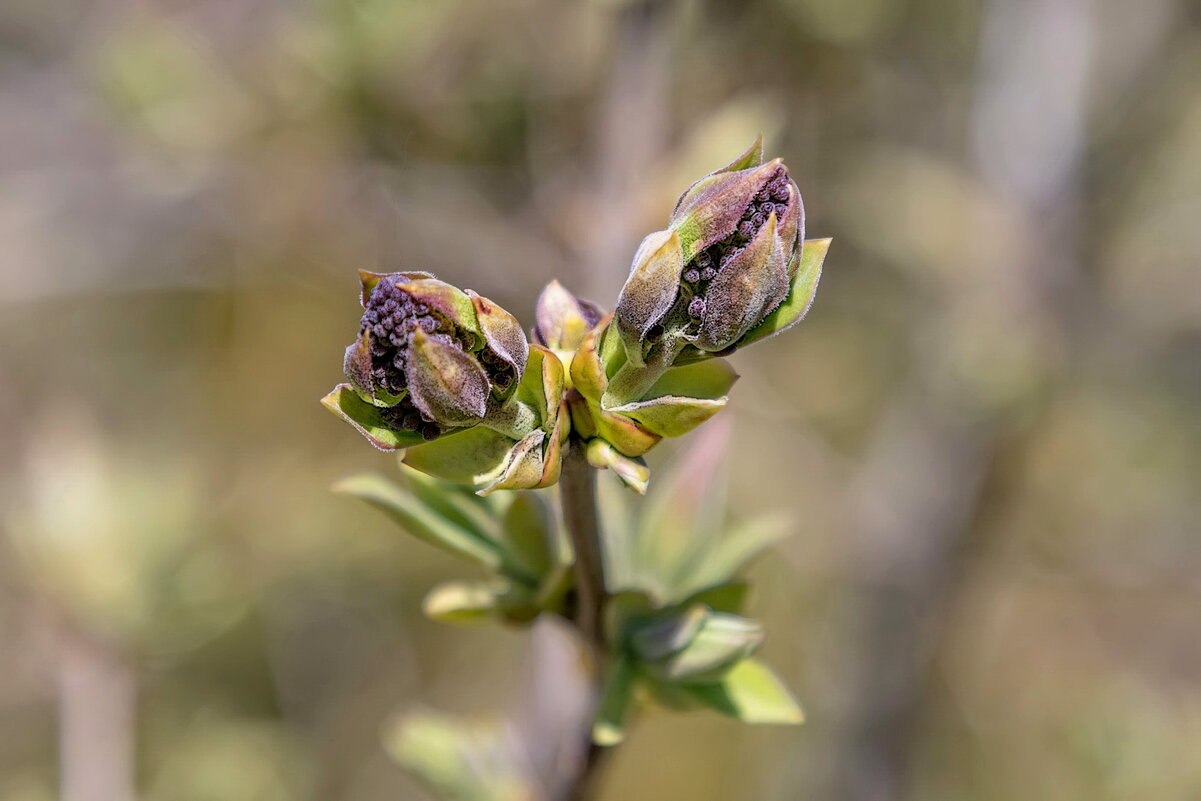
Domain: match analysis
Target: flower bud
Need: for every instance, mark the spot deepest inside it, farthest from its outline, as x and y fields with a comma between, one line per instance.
x=431, y=356
x=563, y=320
x=725, y=262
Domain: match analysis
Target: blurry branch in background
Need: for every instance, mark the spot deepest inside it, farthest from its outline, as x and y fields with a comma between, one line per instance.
x=97, y=712
x=109, y=544
x=632, y=121
x=918, y=492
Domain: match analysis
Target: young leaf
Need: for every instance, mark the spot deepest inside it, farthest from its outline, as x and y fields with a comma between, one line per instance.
x=721, y=641
x=461, y=602
x=752, y=693
x=420, y=520
x=731, y=552
x=456, y=503
x=659, y=639
x=729, y=597
x=467, y=456
x=671, y=416
x=346, y=403
x=526, y=534
x=708, y=379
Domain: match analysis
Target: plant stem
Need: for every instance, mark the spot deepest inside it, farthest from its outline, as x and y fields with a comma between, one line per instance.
x=631, y=382
x=577, y=485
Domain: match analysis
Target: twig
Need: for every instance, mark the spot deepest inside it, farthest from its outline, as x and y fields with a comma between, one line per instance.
x=577, y=486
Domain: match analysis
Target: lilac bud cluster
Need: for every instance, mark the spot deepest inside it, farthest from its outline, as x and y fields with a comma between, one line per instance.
x=772, y=197
x=391, y=317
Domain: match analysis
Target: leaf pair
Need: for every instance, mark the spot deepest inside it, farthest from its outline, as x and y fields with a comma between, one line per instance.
x=513, y=537
x=675, y=620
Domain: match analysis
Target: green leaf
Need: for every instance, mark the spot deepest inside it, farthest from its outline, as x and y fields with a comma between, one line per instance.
x=461, y=602
x=459, y=759
x=468, y=456
x=731, y=552
x=632, y=471
x=622, y=609
x=683, y=518
x=729, y=597
x=670, y=416
x=800, y=296
x=455, y=502
x=365, y=417
x=708, y=379
x=522, y=468
x=659, y=638
x=721, y=641
x=526, y=534
x=420, y=520
x=752, y=693
x=609, y=728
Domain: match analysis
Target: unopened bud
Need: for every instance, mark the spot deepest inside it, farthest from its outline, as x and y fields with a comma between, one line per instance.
x=725, y=262
x=430, y=355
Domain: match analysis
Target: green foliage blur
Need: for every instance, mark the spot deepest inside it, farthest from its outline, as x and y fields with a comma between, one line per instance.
x=985, y=436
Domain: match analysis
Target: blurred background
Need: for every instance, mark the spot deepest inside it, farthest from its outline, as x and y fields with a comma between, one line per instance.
x=986, y=433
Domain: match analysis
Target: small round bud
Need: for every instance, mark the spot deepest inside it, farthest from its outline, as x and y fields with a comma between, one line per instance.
x=696, y=307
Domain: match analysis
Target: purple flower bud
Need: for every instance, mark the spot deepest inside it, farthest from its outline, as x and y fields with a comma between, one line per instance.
x=432, y=356
x=740, y=229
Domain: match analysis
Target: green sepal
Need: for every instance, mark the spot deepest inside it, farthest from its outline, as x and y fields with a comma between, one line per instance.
x=420, y=520
x=366, y=419
x=749, y=692
x=588, y=375
x=542, y=385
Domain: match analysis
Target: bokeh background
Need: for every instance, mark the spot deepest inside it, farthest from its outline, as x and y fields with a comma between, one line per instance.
x=985, y=434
